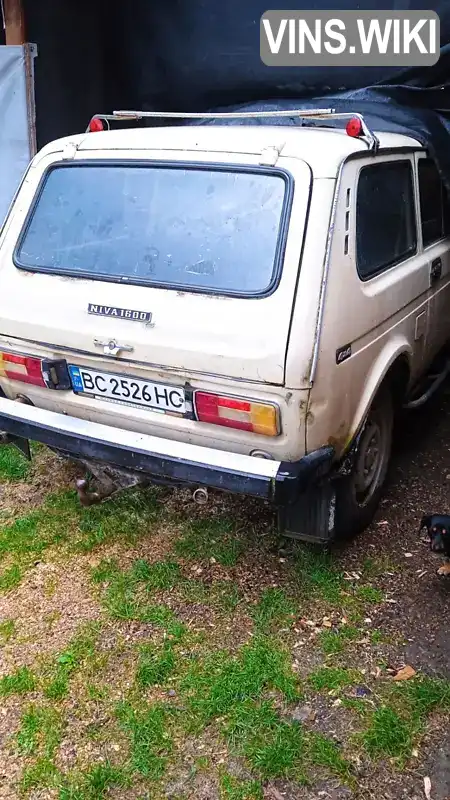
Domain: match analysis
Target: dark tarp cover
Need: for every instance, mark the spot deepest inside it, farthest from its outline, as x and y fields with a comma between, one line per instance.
x=197, y=55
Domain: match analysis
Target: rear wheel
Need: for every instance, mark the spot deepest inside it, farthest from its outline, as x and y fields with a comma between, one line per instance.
x=358, y=494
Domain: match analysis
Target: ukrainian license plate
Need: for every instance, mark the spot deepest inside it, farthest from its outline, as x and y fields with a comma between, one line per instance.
x=122, y=389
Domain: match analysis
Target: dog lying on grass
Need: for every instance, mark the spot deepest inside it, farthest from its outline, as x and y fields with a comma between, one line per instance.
x=438, y=528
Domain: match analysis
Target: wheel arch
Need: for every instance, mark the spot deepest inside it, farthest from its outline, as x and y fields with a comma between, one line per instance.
x=392, y=368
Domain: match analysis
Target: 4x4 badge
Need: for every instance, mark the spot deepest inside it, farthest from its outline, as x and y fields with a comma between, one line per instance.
x=120, y=313
x=343, y=353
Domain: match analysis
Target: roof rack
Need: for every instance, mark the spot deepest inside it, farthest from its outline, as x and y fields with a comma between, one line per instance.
x=364, y=132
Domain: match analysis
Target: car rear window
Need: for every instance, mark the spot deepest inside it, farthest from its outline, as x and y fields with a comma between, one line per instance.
x=197, y=228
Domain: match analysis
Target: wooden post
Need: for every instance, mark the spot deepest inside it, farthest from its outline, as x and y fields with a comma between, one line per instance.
x=14, y=22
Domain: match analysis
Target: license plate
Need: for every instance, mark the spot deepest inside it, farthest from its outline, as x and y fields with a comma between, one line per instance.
x=122, y=389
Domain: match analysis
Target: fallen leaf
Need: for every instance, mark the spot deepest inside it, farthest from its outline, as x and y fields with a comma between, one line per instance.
x=384, y=522
x=427, y=787
x=415, y=752
x=405, y=673
x=408, y=555
x=327, y=623
x=377, y=673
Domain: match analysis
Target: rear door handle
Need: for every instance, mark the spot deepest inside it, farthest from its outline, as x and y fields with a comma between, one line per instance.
x=436, y=269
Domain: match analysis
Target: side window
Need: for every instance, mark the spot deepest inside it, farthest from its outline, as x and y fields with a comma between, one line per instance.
x=434, y=203
x=385, y=217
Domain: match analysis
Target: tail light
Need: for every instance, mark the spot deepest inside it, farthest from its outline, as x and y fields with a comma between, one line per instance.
x=51, y=374
x=245, y=415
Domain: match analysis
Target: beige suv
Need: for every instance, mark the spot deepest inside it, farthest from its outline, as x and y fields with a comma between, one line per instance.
x=237, y=307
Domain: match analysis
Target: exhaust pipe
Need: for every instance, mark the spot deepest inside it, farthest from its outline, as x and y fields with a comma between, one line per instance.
x=200, y=496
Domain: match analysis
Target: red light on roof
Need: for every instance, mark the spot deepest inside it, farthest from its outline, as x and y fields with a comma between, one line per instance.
x=96, y=125
x=354, y=127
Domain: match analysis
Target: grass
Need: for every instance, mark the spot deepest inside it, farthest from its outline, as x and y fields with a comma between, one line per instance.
x=389, y=734
x=39, y=736
x=205, y=539
x=158, y=576
x=126, y=517
x=318, y=575
x=334, y=642
x=331, y=679
x=232, y=788
x=80, y=650
x=368, y=594
x=236, y=702
x=274, y=609
x=10, y=578
x=127, y=593
x=7, y=630
x=155, y=664
x=94, y=783
x=271, y=745
x=399, y=721
x=150, y=741
x=22, y=681
x=221, y=681
x=13, y=464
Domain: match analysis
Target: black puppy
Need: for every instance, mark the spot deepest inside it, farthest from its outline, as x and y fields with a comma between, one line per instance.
x=438, y=528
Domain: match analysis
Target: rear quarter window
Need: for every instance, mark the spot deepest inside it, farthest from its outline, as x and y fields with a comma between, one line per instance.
x=385, y=217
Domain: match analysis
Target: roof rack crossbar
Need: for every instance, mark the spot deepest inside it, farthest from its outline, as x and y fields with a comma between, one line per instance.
x=306, y=113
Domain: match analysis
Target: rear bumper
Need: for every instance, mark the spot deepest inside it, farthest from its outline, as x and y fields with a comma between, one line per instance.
x=168, y=461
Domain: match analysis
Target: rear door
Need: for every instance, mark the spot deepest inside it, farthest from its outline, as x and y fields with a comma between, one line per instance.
x=181, y=266
x=435, y=232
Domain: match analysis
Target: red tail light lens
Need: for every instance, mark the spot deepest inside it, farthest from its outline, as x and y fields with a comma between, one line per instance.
x=52, y=374
x=244, y=415
x=22, y=368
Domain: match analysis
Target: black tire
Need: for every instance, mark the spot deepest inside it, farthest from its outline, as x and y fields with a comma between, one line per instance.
x=358, y=494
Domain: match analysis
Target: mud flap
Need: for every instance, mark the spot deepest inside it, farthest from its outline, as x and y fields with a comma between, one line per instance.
x=311, y=518
x=22, y=444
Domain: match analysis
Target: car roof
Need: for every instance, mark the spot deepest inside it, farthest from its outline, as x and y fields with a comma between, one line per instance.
x=323, y=149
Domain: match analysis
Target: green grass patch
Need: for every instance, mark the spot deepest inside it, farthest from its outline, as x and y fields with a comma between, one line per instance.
x=13, y=464
x=80, y=651
x=94, y=783
x=155, y=664
x=271, y=745
x=39, y=736
x=334, y=642
x=218, y=683
x=128, y=516
x=369, y=594
x=331, y=679
x=393, y=727
x=274, y=610
x=232, y=788
x=21, y=681
x=318, y=575
x=323, y=752
x=149, y=737
x=127, y=595
x=27, y=537
x=7, y=630
x=105, y=571
x=160, y=575
x=389, y=734
x=205, y=539
x=10, y=578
